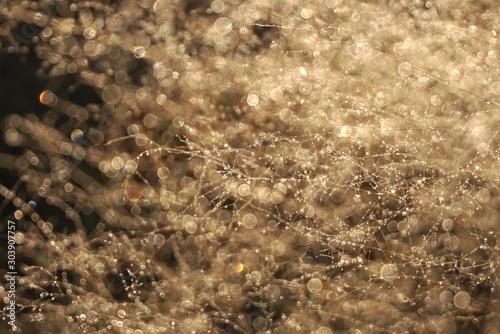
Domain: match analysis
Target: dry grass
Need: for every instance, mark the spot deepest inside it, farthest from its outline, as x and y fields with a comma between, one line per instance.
x=259, y=167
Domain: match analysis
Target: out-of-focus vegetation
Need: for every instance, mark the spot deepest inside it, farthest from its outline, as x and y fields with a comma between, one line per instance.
x=272, y=166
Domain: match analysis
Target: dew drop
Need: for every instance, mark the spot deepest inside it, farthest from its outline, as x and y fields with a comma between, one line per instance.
x=355, y=16
x=306, y=13
x=218, y=265
x=48, y=98
x=276, y=94
x=130, y=166
x=255, y=276
x=134, y=193
x=18, y=214
x=462, y=299
x=272, y=225
x=217, y=6
x=299, y=73
x=19, y=238
x=76, y=135
x=314, y=285
x=445, y=297
x=448, y=224
x=324, y=330
x=495, y=88
x=405, y=69
x=191, y=227
x=41, y=19
x=117, y=163
x=162, y=172
x=122, y=314
x=89, y=33
x=389, y=272
x=249, y=220
x=72, y=68
x=252, y=99
x=276, y=197
x=150, y=121
x=337, y=196
x=244, y=190
x=100, y=267
x=282, y=7
x=239, y=268
x=159, y=239
x=455, y=208
x=345, y=131
x=139, y=52
x=111, y=94
x=260, y=324
x=305, y=88
x=223, y=25
x=483, y=196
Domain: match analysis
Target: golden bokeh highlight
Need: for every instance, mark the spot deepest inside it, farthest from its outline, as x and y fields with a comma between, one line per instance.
x=239, y=268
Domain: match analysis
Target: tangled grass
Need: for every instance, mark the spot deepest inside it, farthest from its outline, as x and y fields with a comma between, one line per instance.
x=257, y=167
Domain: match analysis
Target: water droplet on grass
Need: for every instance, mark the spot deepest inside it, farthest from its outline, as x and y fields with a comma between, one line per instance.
x=139, y=52
x=260, y=324
x=252, y=99
x=314, y=285
x=462, y=299
x=389, y=272
x=446, y=297
x=405, y=69
x=249, y=220
x=448, y=224
x=191, y=227
x=455, y=208
x=483, y=196
x=162, y=172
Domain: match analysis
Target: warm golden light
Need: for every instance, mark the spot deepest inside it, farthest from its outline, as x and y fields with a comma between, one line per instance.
x=225, y=166
x=43, y=96
x=46, y=97
x=239, y=268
